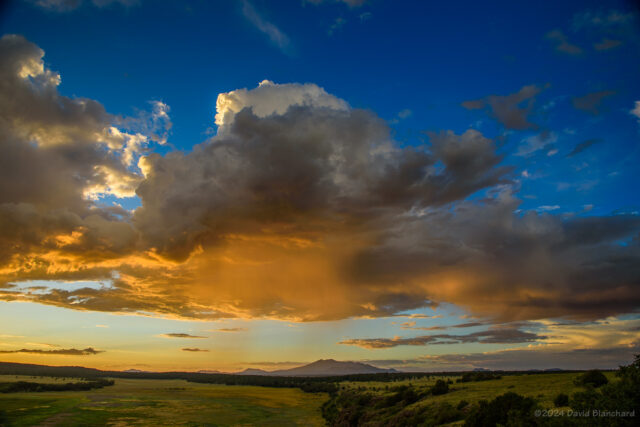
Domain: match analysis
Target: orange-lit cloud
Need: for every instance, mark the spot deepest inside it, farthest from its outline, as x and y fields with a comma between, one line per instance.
x=63, y=351
x=300, y=208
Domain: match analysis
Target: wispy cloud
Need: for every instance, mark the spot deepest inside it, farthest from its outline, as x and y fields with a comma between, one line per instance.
x=63, y=351
x=69, y=5
x=591, y=102
x=180, y=335
x=579, y=148
x=492, y=336
x=276, y=36
x=195, y=350
x=562, y=43
x=230, y=330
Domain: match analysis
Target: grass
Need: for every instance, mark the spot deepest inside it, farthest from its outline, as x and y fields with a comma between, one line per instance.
x=542, y=387
x=165, y=402
x=178, y=402
x=47, y=380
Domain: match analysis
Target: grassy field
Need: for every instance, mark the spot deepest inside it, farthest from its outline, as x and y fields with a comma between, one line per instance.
x=137, y=402
x=163, y=402
x=542, y=387
x=46, y=380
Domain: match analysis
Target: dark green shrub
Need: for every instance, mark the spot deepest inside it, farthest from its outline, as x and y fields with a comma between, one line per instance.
x=593, y=378
x=462, y=404
x=440, y=387
x=478, y=376
x=622, y=395
x=561, y=400
x=507, y=409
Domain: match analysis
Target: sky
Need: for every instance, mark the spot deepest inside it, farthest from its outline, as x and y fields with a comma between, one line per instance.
x=221, y=185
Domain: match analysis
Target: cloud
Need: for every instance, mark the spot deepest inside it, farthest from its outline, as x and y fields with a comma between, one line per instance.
x=295, y=187
x=411, y=325
x=492, y=336
x=350, y=3
x=276, y=36
x=579, y=148
x=69, y=5
x=337, y=24
x=602, y=19
x=194, y=350
x=180, y=335
x=535, y=143
x=547, y=208
x=403, y=114
x=231, y=330
x=65, y=352
x=562, y=43
x=607, y=44
x=636, y=111
x=583, y=358
x=270, y=98
x=511, y=110
x=590, y=102
x=56, y=156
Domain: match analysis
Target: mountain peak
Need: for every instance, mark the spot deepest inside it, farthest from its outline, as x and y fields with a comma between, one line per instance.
x=321, y=368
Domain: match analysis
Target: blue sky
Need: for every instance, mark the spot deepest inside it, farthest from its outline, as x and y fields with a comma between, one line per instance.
x=389, y=57
x=545, y=96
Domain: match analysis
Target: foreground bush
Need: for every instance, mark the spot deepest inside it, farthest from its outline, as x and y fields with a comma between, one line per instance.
x=593, y=378
x=507, y=409
x=478, y=376
x=440, y=387
x=561, y=400
x=622, y=395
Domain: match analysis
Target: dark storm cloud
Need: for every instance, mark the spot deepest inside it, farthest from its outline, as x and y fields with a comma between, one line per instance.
x=591, y=102
x=52, y=154
x=579, y=148
x=66, y=352
x=296, y=188
x=305, y=167
x=492, y=258
x=543, y=357
x=492, y=336
x=511, y=110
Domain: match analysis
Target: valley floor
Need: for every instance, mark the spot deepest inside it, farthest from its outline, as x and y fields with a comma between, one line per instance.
x=134, y=402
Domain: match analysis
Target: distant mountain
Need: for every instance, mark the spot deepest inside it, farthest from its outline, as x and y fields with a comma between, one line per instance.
x=250, y=371
x=135, y=371
x=209, y=371
x=321, y=368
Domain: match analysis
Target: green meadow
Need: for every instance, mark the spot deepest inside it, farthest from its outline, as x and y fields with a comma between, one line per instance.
x=163, y=403
x=540, y=386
